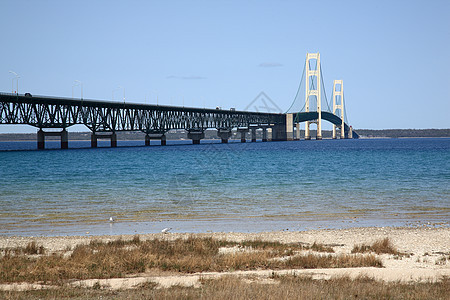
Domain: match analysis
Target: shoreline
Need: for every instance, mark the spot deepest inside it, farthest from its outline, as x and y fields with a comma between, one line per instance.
x=250, y=225
x=407, y=239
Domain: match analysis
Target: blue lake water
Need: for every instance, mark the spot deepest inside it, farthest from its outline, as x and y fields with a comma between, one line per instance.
x=223, y=187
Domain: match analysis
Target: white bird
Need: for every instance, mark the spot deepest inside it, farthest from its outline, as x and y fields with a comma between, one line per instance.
x=111, y=219
x=166, y=230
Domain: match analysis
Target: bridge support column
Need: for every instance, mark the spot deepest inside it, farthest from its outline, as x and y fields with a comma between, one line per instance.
x=224, y=134
x=297, y=131
x=279, y=133
x=41, y=134
x=283, y=130
x=155, y=136
x=338, y=106
x=41, y=139
x=253, y=135
x=307, y=132
x=95, y=137
x=113, y=140
x=243, y=132
x=319, y=128
x=350, y=132
x=64, y=139
x=314, y=92
x=93, y=140
x=264, y=134
x=289, y=127
x=196, y=136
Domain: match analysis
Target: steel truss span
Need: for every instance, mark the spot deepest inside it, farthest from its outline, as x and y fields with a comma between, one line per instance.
x=103, y=116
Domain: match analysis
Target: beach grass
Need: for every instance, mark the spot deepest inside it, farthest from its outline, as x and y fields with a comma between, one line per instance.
x=119, y=258
x=382, y=246
x=233, y=287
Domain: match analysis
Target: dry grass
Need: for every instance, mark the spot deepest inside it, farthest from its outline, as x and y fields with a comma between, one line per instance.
x=379, y=247
x=231, y=287
x=120, y=258
x=30, y=249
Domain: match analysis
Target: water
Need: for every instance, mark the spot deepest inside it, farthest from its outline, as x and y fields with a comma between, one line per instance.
x=223, y=187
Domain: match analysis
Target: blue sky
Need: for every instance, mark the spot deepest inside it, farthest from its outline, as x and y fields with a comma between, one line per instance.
x=394, y=56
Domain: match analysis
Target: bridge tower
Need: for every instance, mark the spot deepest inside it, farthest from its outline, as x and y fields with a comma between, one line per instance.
x=313, y=76
x=338, y=103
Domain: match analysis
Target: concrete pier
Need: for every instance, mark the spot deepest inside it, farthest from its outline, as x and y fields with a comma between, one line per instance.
x=279, y=132
x=243, y=132
x=307, y=133
x=253, y=134
x=224, y=134
x=196, y=135
x=297, y=131
x=111, y=136
x=264, y=133
x=289, y=127
x=41, y=134
x=160, y=136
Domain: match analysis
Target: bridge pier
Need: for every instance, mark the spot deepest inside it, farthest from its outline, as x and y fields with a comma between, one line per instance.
x=289, y=127
x=161, y=137
x=224, y=134
x=307, y=132
x=253, y=129
x=341, y=132
x=41, y=138
x=279, y=133
x=196, y=135
x=243, y=132
x=95, y=137
x=297, y=131
x=264, y=133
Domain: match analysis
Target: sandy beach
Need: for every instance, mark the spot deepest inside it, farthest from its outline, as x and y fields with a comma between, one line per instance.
x=428, y=259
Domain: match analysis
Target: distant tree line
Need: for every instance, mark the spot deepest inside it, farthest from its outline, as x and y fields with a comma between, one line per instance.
x=397, y=133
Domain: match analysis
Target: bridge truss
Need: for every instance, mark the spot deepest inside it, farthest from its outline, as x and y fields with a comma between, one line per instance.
x=110, y=117
x=104, y=116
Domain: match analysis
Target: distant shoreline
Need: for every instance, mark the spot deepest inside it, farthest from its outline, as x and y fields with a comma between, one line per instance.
x=212, y=135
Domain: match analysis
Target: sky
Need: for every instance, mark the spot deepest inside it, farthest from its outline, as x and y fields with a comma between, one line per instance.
x=393, y=56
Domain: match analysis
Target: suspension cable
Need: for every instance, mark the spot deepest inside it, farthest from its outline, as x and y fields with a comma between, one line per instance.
x=324, y=90
x=299, y=87
x=345, y=109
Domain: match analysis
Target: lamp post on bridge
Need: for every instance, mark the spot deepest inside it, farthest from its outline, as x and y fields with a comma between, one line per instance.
x=121, y=87
x=78, y=83
x=151, y=92
x=118, y=88
x=12, y=82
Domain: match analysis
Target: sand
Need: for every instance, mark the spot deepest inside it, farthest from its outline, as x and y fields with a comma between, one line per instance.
x=429, y=259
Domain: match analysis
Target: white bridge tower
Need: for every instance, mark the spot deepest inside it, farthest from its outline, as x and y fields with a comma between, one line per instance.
x=338, y=104
x=313, y=76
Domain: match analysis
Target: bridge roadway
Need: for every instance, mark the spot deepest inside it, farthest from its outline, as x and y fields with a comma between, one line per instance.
x=105, y=118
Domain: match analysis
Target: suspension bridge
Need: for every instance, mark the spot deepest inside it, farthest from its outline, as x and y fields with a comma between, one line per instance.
x=105, y=118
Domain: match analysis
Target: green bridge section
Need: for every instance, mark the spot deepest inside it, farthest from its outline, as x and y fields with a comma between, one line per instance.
x=330, y=117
